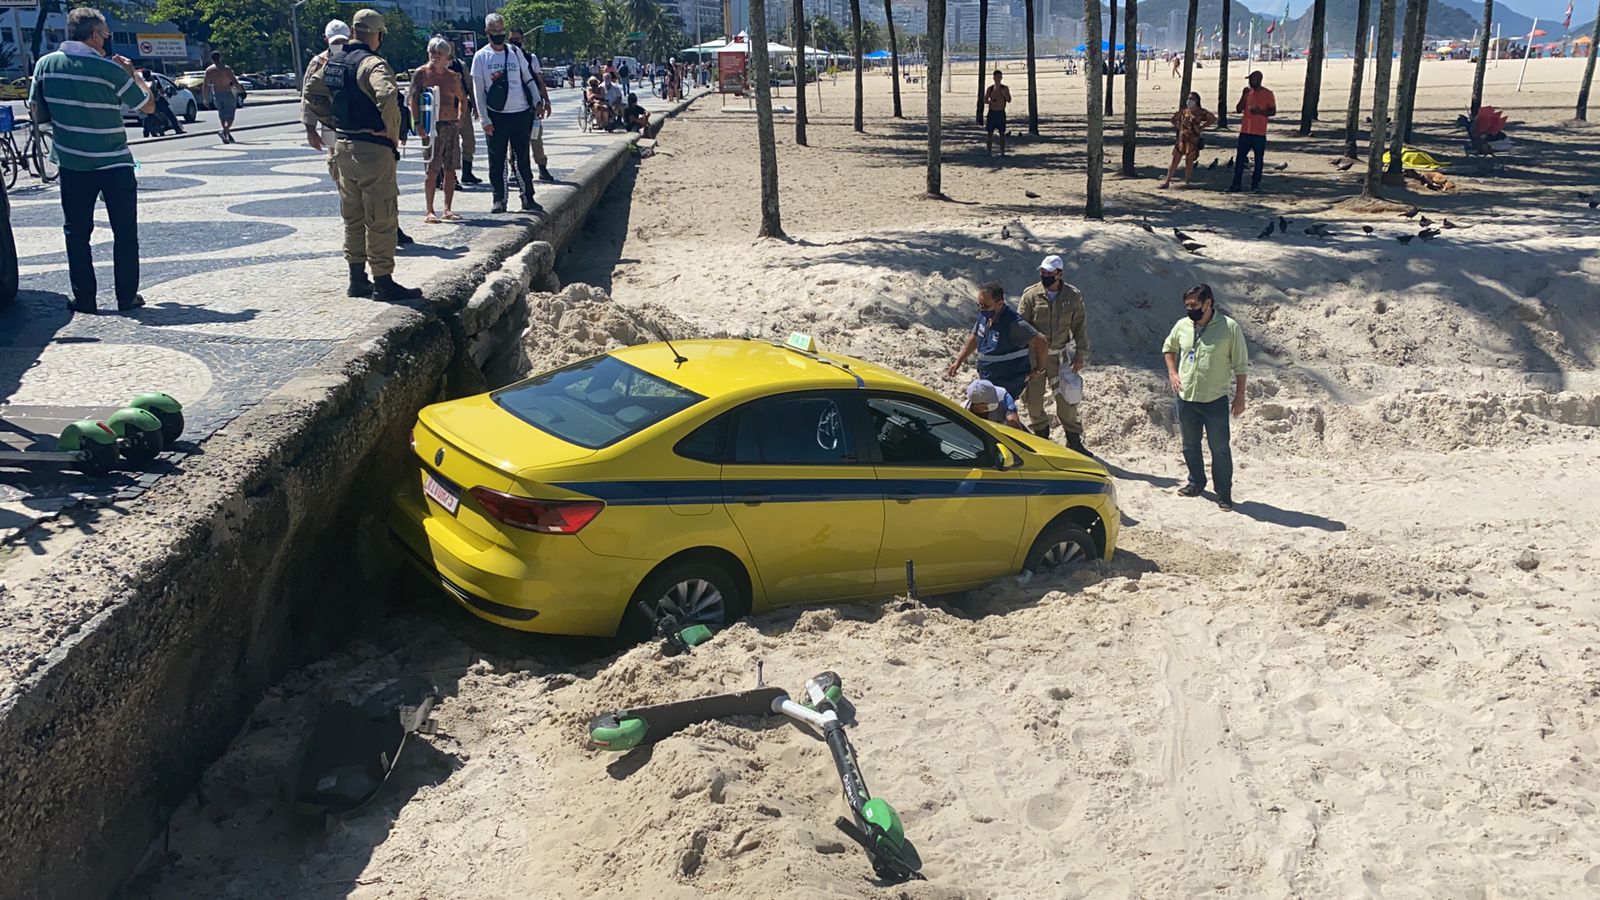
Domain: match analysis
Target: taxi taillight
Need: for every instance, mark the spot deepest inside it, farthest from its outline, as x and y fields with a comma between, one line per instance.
x=542, y=516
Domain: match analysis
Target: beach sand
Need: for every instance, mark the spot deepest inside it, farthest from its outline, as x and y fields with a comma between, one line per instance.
x=1378, y=677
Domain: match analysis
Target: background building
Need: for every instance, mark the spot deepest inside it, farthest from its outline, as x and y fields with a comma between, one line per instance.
x=17, y=26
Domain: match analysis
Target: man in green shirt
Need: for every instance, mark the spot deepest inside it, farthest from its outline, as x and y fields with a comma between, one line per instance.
x=1205, y=351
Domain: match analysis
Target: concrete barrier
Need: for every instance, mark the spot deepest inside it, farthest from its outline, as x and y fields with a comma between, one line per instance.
x=220, y=580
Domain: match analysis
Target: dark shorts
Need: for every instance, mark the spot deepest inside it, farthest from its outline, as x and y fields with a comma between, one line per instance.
x=227, y=104
x=995, y=122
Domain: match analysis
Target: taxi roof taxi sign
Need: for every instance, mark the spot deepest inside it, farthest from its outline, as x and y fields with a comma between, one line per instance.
x=801, y=341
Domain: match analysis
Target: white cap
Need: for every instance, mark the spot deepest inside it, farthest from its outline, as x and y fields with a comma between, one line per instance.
x=981, y=390
x=336, y=31
x=1052, y=263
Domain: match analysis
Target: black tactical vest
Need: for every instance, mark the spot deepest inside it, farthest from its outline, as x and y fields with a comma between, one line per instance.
x=355, y=116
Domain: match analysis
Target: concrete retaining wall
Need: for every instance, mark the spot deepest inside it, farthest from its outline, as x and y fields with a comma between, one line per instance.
x=221, y=579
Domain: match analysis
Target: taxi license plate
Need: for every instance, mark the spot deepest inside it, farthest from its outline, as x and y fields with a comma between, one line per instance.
x=446, y=495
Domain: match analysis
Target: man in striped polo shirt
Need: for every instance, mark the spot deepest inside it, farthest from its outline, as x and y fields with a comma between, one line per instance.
x=83, y=92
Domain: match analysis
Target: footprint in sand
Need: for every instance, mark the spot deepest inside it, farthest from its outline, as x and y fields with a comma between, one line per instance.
x=1046, y=812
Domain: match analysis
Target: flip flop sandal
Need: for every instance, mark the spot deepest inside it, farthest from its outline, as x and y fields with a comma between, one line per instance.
x=431, y=219
x=450, y=216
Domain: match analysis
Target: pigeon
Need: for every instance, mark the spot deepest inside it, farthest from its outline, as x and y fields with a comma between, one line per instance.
x=1192, y=246
x=1268, y=232
x=1215, y=163
x=1345, y=164
x=1425, y=222
x=1004, y=232
x=1405, y=238
x=1410, y=213
x=1280, y=167
x=1030, y=195
x=1283, y=224
x=1366, y=229
x=1428, y=234
x=1594, y=203
x=1145, y=224
x=1450, y=224
x=1178, y=233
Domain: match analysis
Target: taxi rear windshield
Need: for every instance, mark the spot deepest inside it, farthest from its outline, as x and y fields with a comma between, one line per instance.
x=594, y=403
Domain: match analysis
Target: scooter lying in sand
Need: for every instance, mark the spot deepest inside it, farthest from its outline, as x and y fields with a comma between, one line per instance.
x=874, y=823
x=353, y=749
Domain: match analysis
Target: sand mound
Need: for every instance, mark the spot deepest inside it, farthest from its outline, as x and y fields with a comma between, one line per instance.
x=581, y=321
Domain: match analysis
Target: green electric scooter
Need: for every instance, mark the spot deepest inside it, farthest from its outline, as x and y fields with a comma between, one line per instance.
x=873, y=824
x=149, y=424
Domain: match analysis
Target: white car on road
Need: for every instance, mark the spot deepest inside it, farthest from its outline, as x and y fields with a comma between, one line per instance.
x=181, y=99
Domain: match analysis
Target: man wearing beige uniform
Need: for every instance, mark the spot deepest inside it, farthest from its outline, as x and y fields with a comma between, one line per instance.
x=1056, y=310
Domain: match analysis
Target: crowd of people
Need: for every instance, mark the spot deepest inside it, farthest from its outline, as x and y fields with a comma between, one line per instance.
x=1042, y=346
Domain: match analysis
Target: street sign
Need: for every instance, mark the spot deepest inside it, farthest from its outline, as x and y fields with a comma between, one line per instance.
x=161, y=46
x=18, y=4
x=635, y=35
x=552, y=26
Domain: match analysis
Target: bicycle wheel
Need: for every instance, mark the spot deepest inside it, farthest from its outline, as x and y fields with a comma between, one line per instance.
x=42, y=163
x=9, y=163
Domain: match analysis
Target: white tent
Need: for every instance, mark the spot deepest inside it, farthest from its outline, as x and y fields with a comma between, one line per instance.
x=772, y=49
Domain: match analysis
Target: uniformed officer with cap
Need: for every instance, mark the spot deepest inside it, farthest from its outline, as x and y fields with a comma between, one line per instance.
x=356, y=94
x=1056, y=309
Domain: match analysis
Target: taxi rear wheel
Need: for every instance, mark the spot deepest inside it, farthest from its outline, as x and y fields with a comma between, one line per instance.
x=696, y=591
x=1060, y=547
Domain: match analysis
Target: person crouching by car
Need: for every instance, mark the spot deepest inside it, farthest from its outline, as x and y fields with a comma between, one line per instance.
x=987, y=401
x=162, y=120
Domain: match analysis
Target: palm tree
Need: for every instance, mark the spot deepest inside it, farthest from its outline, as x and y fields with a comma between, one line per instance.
x=1222, y=77
x=1380, y=99
x=855, y=38
x=1406, y=96
x=983, y=52
x=935, y=37
x=800, y=76
x=1033, y=87
x=1352, y=113
x=613, y=23
x=1093, y=206
x=1130, y=84
x=1313, y=92
x=1483, y=57
x=1111, y=54
x=761, y=75
x=643, y=13
x=894, y=57
x=1188, y=52
x=1588, y=72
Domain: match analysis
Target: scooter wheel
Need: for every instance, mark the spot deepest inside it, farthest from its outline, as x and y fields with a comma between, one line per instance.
x=98, y=459
x=142, y=446
x=171, y=426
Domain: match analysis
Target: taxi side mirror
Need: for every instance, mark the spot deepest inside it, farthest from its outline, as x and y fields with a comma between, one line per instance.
x=1002, y=457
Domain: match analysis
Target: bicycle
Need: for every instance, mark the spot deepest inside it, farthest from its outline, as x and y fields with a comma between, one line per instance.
x=586, y=122
x=11, y=158
x=38, y=152
x=34, y=154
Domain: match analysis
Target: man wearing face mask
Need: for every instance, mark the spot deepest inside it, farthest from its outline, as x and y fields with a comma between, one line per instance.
x=1010, y=351
x=510, y=96
x=1056, y=310
x=1205, y=352
x=82, y=89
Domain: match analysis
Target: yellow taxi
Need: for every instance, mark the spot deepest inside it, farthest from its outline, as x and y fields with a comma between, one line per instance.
x=720, y=477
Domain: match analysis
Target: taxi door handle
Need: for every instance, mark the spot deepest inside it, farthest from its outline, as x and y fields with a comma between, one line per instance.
x=903, y=495
x=753, y=498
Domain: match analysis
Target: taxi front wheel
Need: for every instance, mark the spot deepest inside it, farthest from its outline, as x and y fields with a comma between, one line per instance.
x=1060, y=546
x=694, y=591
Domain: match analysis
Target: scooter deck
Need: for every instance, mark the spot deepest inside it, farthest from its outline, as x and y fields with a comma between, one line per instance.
x=644, y=725
x=354, y=749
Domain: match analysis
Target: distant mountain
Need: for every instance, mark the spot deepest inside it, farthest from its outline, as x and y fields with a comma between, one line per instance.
x=1510, y=21
x=1444, y=22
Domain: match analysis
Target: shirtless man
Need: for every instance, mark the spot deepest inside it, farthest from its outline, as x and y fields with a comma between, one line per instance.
x=219, y=85
x=997, y=96
x=444, y=154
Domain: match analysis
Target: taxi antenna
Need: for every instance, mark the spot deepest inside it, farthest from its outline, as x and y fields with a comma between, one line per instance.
x=660, y=332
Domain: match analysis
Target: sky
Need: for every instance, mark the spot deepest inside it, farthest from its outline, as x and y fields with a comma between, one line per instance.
x=1545, y=9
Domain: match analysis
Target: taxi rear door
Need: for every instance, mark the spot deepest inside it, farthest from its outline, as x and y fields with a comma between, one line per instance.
x=948, y=506
x=804, y=496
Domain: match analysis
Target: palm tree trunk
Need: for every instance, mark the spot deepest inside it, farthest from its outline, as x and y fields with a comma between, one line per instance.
x=855, y=40
x=1222, y=77
x=1588, y=72
x=1130, y=84
x=894, y=57
x=799, y=25
x=1406, y=94
x=1111, y=54
x=1483, y=57
x=1093, y=205
x=1416, y=69
x=1352, y=113
x=761, y=74
x=1188, y=53
x=983, y=52
x=1312, y=97
x=935, y=38
x=1033, y=86
x=1380, y=100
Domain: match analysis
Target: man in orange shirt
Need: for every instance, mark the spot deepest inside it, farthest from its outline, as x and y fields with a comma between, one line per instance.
x=1256, y=105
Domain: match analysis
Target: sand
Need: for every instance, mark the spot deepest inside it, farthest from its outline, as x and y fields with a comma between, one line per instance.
x=1379, y=677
